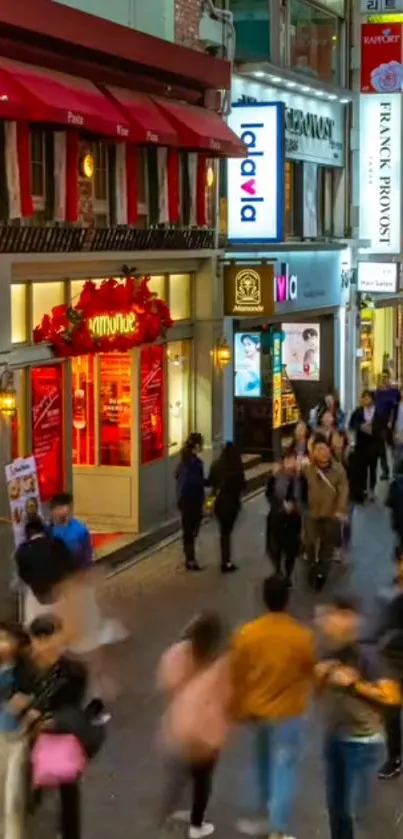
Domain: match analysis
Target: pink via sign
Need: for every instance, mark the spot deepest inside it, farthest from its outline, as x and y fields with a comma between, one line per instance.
x=285, y=286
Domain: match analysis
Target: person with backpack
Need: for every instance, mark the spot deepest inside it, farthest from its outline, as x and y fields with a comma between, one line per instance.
x=190, y=492
x=227, y=480
x=327, y=494
x=194, y=674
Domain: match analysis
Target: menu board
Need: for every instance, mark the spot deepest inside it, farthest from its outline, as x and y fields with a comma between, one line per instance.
x=23, y=494
x=152, y=403
x=47, y=428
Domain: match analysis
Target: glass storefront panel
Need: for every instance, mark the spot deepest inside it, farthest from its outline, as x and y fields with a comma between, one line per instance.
x=44, y=297
x=252, y=27
x=83, y=385
x=47, y=428
x=157, y=286
x=19, y=313
x=76, y=287
x=115, y=411
x=152, y=403
x=19, y=419
x=314, y=42
x=178, y=356
x=180, y=296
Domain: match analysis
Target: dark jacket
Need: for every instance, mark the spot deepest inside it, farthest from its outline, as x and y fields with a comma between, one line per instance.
x=190, y=483
x=394, y=415
x=368, y=443
x=395, y=502
x=284, y=528
x=227, y=486
x=44, y=563
x=61, y=687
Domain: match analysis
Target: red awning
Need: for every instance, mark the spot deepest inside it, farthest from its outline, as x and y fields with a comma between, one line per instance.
x=202, y=130
x=14, y=102
x=148, y=124
x=65, y=100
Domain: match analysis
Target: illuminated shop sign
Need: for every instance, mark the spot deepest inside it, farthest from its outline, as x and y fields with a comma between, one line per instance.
x=377, y=277
x=256, y=183
x=106, y=326
x=380, y=8
x=380, y=172
x=285, y=286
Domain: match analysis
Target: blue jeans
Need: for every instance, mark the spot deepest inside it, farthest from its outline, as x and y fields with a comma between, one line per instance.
x=350, y=768
x=278, y=747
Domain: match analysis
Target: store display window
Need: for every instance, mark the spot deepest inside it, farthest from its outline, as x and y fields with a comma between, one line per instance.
x=152, y=400
x=45, y=296
x=180, y=296
x=315, y=41
x=19, y=313
x=178, y=372
x=158, y=286
x=47, y=428
x=83, y=383
x=115, y=412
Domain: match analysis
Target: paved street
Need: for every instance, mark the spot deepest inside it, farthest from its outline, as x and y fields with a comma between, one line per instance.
x=155, y=600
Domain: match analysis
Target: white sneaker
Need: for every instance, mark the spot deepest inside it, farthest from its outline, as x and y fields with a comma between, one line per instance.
x=253, y=827
x=181, y=816
x=200, y=832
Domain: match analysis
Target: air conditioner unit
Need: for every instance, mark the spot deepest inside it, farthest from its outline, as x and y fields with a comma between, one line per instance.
x=211, y=32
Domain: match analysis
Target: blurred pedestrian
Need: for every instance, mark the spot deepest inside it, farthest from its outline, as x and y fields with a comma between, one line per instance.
x=397, y=430
x=70, y=530
x=284, y=492
x=327, y=493
x=273, y=662
x=387, y=397
x=195, y=676
x=395, y=502
x=227, y=479
x=190, y=487
x=367, y=425
x=356, y=690
x=300, y=440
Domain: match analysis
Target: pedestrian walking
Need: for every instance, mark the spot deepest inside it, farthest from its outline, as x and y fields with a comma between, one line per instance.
x=227, y=479
x=327, y=509
x=273, y=661
x=386, y=398
x=43, y=565
x=195, y=676
x=190, y=486
x=394, y=501
x=397, y=430
x=355, y=690
x=300, y=440
x=284, y=493
x=368, y=426
x=330, y=402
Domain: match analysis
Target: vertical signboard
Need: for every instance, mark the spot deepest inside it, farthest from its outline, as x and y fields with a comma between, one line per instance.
x=381, y=58
x=276, y=419
x=255, y=185
x=380, y=172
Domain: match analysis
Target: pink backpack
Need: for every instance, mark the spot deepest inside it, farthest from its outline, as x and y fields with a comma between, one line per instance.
x=57, y=759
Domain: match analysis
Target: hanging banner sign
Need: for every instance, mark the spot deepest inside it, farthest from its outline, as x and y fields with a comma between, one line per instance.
x=23, y=494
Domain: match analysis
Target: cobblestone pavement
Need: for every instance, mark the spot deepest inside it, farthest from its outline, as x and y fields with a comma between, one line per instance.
x=155, y=599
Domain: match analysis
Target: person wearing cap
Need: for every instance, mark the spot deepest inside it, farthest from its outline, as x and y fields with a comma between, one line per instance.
x=356, y=689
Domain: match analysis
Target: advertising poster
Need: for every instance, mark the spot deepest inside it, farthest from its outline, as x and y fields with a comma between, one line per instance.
x=381, y=58
x=301, y=351
x=310, y=199
x=47, y=428
x=23, y=494
x=247, y=364
x=152, y=403
x=276, y=420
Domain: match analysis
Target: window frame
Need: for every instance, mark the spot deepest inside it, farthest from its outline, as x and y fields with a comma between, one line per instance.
x=39, y=200
x=338, y=70
x=100, y=206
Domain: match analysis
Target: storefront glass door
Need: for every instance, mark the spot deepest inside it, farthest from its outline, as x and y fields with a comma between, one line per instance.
x=47, y=428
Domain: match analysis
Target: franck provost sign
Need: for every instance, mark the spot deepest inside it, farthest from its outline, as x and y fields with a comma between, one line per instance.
x=314, y=128
x=380, y=172
x=255, y=185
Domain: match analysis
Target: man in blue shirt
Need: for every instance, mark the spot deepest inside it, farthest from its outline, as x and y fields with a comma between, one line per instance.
x=73, y=532
x=386, y=397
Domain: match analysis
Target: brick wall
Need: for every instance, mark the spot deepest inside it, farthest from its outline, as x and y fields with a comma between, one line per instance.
x=187, y=18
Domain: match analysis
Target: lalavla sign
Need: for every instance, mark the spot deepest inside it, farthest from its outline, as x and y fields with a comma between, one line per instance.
x=314, y=128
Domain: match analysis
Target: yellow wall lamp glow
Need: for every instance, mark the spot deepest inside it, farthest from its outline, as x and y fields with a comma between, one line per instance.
x=222, y=353
x=87, y=165
x=8, y=395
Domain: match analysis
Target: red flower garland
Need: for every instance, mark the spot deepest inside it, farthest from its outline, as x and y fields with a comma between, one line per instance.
x=68, y=330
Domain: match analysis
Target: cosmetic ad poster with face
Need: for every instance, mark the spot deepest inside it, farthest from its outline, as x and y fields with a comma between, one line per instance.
x=247, y=364
x=301, y=351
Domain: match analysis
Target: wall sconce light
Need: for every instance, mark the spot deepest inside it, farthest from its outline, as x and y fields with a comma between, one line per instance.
x=8, y=395
x=87, y=165
x=210, y=177
x=223, y=352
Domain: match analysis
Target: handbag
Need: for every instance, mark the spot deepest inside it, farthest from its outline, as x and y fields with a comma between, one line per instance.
x=57, y=759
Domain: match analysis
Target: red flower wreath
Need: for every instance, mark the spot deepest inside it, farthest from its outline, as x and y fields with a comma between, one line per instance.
x=68, y=329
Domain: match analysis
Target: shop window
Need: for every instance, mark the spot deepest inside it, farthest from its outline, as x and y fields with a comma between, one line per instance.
x=38, y=168
x=18, y=313
x=83, y=384
x=252, y=27
x=326, y=201
x=179, y=358
x=152, y=398
x=293, y=200
x=315, y=41
x=44, y=297
x=76, y=287
x=157, y=286
x=100, y=192
x=47, y=428
x=142, y=183
x=211, y=175
x=180, y=296
x=115, y=411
